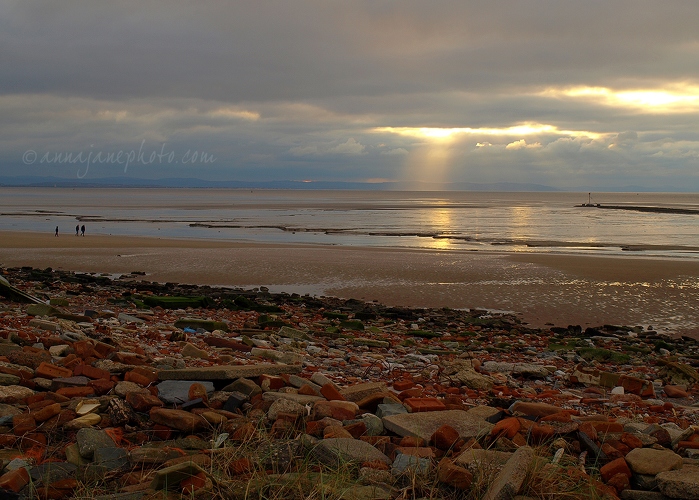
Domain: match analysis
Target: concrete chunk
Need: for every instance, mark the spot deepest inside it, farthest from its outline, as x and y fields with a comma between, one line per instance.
x=467, y=424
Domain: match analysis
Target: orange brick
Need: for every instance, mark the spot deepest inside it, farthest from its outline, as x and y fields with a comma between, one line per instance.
x=76, y=392
x=137, y=378
x=47, y=370
x=102, y=350
x=330, y=393
x=91, y=372
x=15, y=480
x=402, y=385
x=608, y=426
x=47, y=412
x=618, y=466
x=101, y=386
x=22, y=424
x=507, y=427
x=83, y=349
x=445, y=437
x=146, y=372
x=424, y=404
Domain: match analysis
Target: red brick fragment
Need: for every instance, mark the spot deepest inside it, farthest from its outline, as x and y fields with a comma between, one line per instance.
x=47, y=370
x=193, y=483
x=14, y=480
x=424, y=404
x=454, y=475
x=618, y=466
x=507, y=427
x=329, y=392
x=142, y=402
x=608, y=427
x=402, y=385
x=91, y=372
x=47, y=412
x=445, y=437
x=101, y=386
x=23, y=424
x=76, y=392
x=241, y=466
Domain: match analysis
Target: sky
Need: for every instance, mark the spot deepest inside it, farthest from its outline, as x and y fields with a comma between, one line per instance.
x=599, y=94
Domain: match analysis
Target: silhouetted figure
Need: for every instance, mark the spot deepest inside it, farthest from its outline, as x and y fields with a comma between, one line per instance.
x=56, y=230
x=77, y=229
x=82, y=230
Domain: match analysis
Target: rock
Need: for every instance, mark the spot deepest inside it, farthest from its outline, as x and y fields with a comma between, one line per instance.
x=453, y=475
x=474, y=380
x=244, y=386
x=531, y=370
x=675, y=391
x=534, y=409
x=191, y=351
x=171, y=477
x=342, y=450
x=410, y=464
x=127, y=318
x=285, y=406
x=111, y=458
x=650, y=461
x=13, y=394
x=682, y=483
x=509, y=481
x=91, y=439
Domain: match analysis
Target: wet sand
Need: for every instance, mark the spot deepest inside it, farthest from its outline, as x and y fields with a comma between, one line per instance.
x=541, y=288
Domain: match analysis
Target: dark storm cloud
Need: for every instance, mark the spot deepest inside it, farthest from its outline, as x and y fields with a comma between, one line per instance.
x=298, y=88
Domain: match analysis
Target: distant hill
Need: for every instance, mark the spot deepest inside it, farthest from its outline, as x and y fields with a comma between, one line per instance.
x=27, y=181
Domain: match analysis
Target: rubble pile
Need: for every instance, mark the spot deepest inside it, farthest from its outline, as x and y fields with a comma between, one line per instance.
x=119, y=388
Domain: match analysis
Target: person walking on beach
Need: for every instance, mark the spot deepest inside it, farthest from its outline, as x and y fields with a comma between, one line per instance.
x=56, y=230
x=82, y=230
x=77, y=229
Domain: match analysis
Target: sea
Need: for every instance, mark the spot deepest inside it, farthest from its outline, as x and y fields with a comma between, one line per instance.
x=653, y=224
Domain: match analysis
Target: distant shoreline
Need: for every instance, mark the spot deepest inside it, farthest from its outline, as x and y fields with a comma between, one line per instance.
x=542, y=289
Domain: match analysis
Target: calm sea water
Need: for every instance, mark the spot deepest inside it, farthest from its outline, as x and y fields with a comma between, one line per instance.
x=527, y=222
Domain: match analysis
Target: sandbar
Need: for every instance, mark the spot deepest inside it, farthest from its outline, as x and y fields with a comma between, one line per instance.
x=541, y=288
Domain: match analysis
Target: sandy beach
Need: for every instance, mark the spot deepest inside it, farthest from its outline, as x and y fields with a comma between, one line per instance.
x=541, y=288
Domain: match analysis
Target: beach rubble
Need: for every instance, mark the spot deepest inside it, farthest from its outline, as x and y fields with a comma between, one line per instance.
x=127, y=389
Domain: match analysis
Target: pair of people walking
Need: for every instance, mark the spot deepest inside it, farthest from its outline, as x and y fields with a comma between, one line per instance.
x=78, y=228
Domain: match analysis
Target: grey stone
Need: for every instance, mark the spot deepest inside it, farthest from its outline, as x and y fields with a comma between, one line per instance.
x=192, y=351
x=50, y=472
x=389, y=409
x=299, y=382
x=321, y=380
x=72, y=336
x=682, y=483
x=228, y=372
x=369, y=475
x=650, y=461
x=42, y=324
x=374, y=425
x=244, y=386
x=337, y=451
x=136, y=495
x=509, y=481
x=285, y=406
x=167, y=477
x=11, y=394
x=479, y=460
x=124, y=387
x=152, y=456
x=469, y=424
x=474, y=380
x=127, y=318
x=410, y=464
x=89, y=440
x=358, y=392
x=517, y=369
x=279, y=455
x=8, y=347
x=642, y=495
x=41, y=310
x=177, y=391
x=368, y=492
x=111, y=458
x=292, y=333
x=281, y=356
x=644, y=482
x=299, y=398
x=7, y=379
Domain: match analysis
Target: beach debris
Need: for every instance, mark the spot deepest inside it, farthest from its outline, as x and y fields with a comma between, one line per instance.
x=137, y=389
